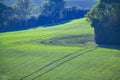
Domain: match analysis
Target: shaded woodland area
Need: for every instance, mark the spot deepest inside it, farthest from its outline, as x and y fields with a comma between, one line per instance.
x=23, y=14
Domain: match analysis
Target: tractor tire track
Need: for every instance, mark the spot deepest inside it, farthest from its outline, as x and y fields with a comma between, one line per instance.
x=55, y=61
x=61, y=64
x=47, y=65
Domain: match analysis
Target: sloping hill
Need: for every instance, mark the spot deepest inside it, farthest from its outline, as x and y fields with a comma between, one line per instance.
x=64, y=51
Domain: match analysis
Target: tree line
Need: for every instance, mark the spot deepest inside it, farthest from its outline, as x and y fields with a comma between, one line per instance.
x=23, y=14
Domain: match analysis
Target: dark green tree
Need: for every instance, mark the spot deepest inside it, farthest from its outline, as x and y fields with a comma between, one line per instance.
x=23, y=10
x=105, y=18
x=6, y=14
x=53, y=9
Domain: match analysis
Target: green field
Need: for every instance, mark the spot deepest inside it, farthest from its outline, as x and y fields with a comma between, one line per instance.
x=66, y=51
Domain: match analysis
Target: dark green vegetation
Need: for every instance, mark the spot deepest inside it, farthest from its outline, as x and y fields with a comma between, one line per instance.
x=83, y=4
x=4, y=15
x=105, y=18
x=53, y=9
x=24, y=14
x=60, y=52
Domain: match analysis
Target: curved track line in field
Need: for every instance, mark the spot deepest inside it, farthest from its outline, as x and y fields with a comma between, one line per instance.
x=62, y=63
x=47, y=65
x=55, y=61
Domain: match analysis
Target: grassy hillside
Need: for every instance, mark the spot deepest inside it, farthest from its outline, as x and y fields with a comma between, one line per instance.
x=63, y=51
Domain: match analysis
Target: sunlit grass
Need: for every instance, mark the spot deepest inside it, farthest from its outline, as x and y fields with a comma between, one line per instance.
x=23, y=52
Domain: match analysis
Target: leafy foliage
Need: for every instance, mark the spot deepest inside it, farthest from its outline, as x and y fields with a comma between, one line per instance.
x=74, y=12
x=53, y=9
x=22, y=15
x=23, y=9
x=5, y=16
x=105, y=19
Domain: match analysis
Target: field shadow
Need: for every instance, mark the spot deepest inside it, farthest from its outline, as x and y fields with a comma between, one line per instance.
x=117, y=47
x=71, y=40
x=21, y=28
x=57, y=23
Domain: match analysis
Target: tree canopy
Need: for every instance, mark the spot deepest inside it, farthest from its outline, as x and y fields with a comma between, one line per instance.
x=53, y=9
x=5, y=15
x=23, y=9
x=105, y=18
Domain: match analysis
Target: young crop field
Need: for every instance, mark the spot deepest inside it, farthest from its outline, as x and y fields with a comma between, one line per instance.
x=64, y=51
